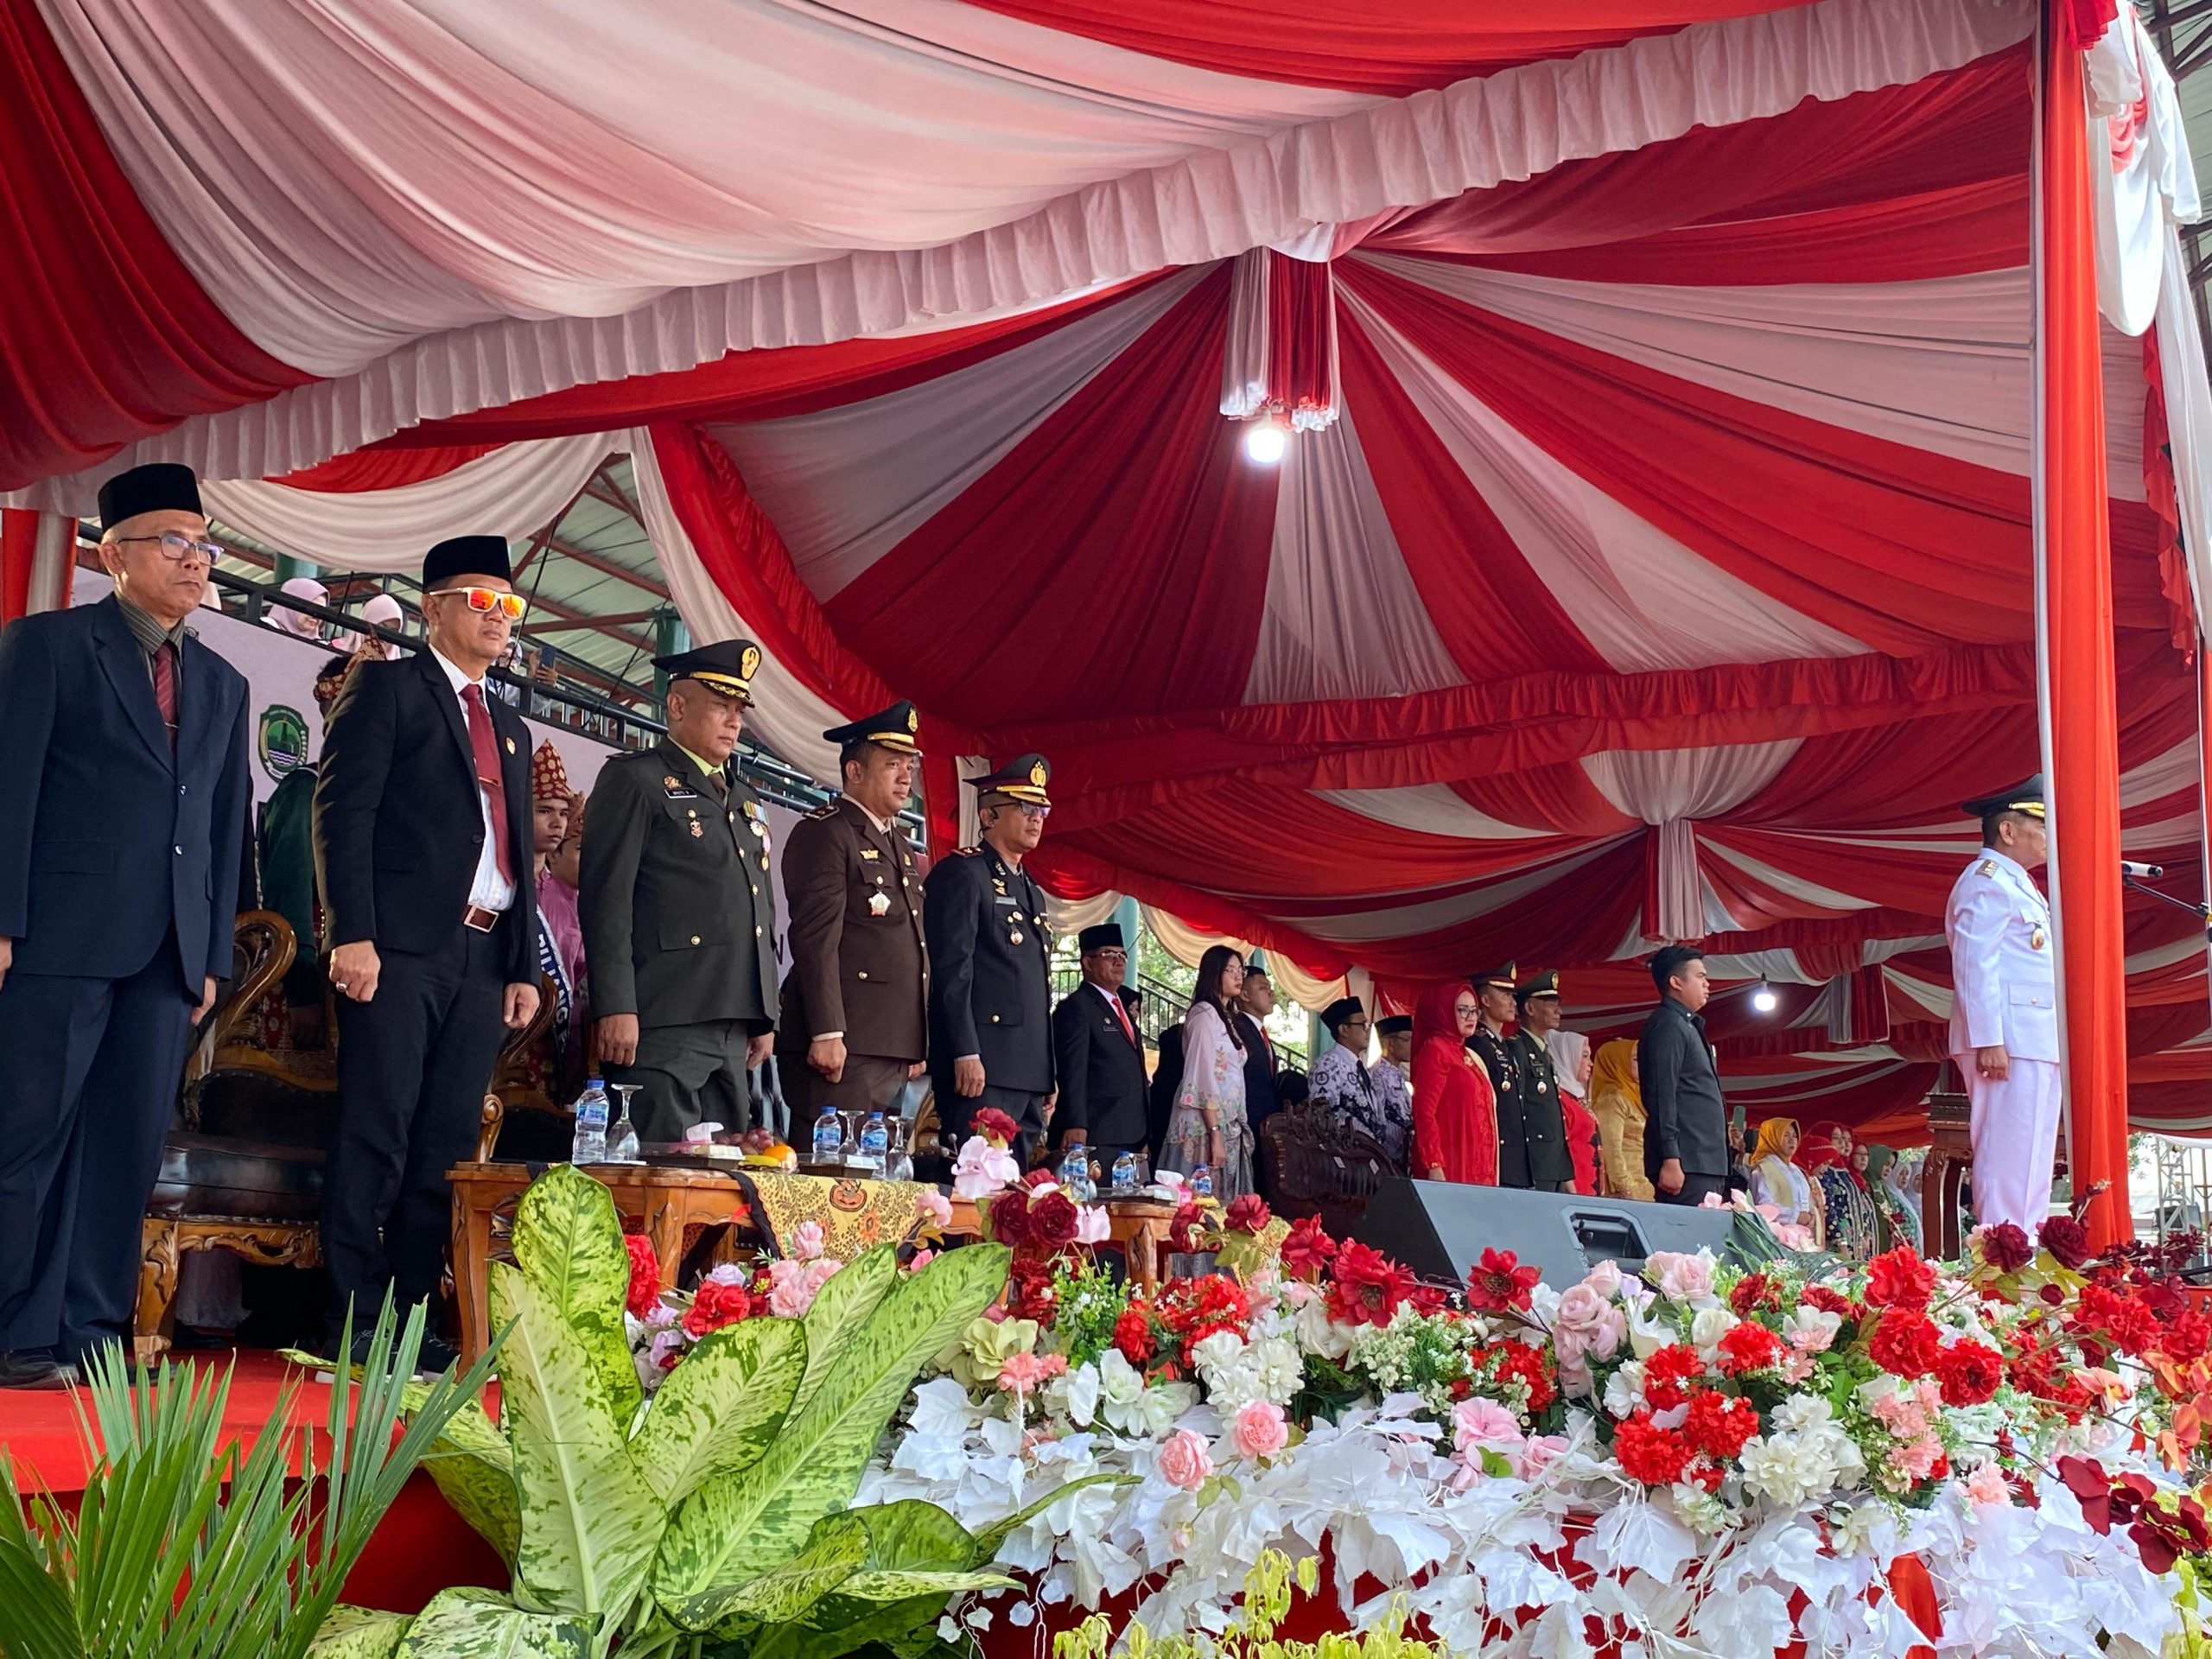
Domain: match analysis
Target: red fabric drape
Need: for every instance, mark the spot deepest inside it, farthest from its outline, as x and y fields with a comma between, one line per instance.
x=37, y=554
x=1301, y=334
x=105, y=337
x=2084, y=734
x=384, y=466
x=1396, y=49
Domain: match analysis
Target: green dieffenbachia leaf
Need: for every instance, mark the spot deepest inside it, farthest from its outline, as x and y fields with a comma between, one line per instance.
x=567, y=1241
x=906, y=1540
x=782, y=1595
x=477, y=1625
x=840, y=1308
x=474, y=1467
x=359, y=1633
x=737, y=1526
x=589, y=1522
x=719, y=1410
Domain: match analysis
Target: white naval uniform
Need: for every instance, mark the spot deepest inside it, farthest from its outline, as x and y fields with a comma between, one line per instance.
x=2006, y=990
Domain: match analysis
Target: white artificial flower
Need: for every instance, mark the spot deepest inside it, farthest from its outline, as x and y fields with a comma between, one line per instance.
x=1625, y=1390
x=1074, y=1395
x=1121, y=1386
x=1319, y=1333
x=1811, y=1330
x=1708, y=1327
x=1160, y=1405
x=1216, y=1351
x=1700, y=1510
x=1647, y=1337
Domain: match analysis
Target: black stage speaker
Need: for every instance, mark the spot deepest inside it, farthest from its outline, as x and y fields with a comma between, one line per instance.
x=1441, y=1229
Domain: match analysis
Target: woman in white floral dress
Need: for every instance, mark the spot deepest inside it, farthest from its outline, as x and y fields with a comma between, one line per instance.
x=1208, y=1125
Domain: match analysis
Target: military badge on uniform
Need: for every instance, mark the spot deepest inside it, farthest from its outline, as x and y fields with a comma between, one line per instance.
x=670, y=783
x=2035, y=938
x=879, y=903
x=698, y=830
x=510, y=745
x=869, y=856
x=1014, y=937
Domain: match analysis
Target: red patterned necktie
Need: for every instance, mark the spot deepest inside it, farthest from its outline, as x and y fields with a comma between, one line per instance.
x=165, y=686
x=487, y=749
x=1120, y=1010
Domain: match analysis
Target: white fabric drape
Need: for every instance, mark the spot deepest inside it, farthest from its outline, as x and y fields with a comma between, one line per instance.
x=785, y=713
x=511, y=491
x=1673, y=788
x=1187, y=944
x=1070, y=916
x=1244, y=355
x=375, y=198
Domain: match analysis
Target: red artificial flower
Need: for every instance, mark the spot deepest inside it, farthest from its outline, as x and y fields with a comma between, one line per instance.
x=1668, y=1374
x=2164, y=1535
x=1248, y=1213
x=1718, y=1424
x=2065, y=1239
x=1751, y=1293
x=1365, y=1287
x=1904, y=1344
x=1133, y=1335
x=2187, y=1336
x=993, y=1126
x=1829, y=1301
x=2130, y=1324
x=1498, y=1283
x=1195, y=1309
x=1749, y=1346
x=1187, y=1233
x=1052, y=1221
x=2092, y=1487
x=1704, y=1473
x=715, y=1305
x=2005, y=1248
x=1029, y=1288
x=1657, y=1456
x=644, y=1275
x=1008, y=1213
x=1428, y=1300
x=1308, y=1250
x=1970, y=1373
x=1899, y=1278
x=1041, y=1177
x=1531, y=1366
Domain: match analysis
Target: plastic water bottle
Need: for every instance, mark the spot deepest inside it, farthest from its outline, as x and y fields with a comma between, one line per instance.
x=590, y=1144
x=829, y=1136
x=1074, y=1174
x=875, y=1141
x=1202, y=1181
x=1125, y=1172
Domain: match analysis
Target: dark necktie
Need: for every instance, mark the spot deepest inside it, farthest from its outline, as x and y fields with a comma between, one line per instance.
x=165, y=685
x=487, y=749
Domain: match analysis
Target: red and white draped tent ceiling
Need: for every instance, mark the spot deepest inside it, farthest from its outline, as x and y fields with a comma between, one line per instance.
x=1652, y=557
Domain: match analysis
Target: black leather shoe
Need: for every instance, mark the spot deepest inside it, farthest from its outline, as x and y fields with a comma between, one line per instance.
x=34, y=1371
x=434, y=1358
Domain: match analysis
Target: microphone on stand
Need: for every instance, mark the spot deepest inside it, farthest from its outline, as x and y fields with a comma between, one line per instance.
x=2141, y=872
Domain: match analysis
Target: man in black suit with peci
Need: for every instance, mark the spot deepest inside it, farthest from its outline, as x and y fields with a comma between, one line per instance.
x=124, y=791
x=1099, y=1055
x=422, y=836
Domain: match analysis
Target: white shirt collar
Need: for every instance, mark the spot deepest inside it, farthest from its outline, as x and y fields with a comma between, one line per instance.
x=1114, y=997
x=455, y=675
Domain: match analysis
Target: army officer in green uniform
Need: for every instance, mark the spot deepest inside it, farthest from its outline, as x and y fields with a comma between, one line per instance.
x=1543, y=1129
x=678, y=917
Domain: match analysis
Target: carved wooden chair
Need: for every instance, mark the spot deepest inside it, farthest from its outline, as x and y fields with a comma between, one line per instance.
x=1312, y=1165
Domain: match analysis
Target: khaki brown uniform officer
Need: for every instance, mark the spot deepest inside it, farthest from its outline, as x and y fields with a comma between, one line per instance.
x=856, y=1001
x=678, y=915
x=990, y=947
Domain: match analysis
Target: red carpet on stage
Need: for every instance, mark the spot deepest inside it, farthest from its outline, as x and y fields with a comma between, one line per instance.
x=422, y=1547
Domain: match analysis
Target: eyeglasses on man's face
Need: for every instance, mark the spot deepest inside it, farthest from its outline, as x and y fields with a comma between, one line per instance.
x=1036, y=814
x=177, y=547
x=483, y=600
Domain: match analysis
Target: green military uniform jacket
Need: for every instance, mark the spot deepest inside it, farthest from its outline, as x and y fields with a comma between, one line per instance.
x=678, y=916
x=1543, y=1125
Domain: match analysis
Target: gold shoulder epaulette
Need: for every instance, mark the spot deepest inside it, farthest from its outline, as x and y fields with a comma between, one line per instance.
x=1987, y=866
x=826, y=810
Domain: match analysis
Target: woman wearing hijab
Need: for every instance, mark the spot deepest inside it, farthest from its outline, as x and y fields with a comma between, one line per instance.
x=1208, y=1125
x=1455, y=1112
x=1618, y=1104
x=1827, y=1156
x=1570, y=1051
x=1779, y=1183
x=1896, y=1212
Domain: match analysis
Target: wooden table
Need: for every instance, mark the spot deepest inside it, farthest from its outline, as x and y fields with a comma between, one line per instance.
x=664, y=1201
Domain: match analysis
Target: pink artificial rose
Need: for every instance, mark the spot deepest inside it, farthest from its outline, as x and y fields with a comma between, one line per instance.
x=791, y=1289
x=1259, y=1430
x=1587, y=1324
x=983, y=1169
x=1184, y=1462
x=1604, y=1279
x=1680, y=1275
x=1987, y=1487
x=1478, y=1422
x=1713, y=1201
x=1092, y=1226
x=1537, y=1454
x=932, y=1205
x=806, y=1241
x=922, y=1257
x=1022, y=1374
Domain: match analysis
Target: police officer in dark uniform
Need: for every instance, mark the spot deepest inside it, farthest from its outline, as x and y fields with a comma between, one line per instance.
x=1500, y=1058
x=678, y=916
x=856, y=1001
x=990, y=988
x=1543, y=1129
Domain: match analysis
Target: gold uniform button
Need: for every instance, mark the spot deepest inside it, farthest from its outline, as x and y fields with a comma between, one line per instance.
x=695, y=938
x=994, y=1018
x=863, y=974
x=756, y=932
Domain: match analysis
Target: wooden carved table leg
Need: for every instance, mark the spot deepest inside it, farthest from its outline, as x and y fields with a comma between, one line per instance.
x=473, y=1204
x=664, y=1219
x=157, y=1273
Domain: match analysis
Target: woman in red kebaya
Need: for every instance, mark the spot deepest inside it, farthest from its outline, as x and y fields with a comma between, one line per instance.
x=1455, y=1113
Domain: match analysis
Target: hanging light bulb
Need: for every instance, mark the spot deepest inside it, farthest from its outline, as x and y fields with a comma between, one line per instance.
x=1763, y=1000
x=1267, y=439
